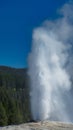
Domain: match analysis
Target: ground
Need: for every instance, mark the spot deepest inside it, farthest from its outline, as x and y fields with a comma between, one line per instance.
x=40, y=126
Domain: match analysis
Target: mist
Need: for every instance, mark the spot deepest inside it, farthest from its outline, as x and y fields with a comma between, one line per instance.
x=50, y=68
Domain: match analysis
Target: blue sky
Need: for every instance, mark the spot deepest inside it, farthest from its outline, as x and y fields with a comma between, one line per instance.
x=18, y=18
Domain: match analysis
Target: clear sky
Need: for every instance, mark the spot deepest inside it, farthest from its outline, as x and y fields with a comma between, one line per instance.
x=18, y=18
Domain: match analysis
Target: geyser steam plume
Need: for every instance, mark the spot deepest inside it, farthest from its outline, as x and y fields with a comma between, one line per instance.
x=48, y=62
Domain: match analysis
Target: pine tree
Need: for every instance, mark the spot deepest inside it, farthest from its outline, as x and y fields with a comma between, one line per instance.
x=3, y=116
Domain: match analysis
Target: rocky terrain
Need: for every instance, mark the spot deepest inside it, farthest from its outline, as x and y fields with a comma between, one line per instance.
x=40, y=126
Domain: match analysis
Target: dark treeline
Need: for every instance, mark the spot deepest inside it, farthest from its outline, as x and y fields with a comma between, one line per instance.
x=14, y=96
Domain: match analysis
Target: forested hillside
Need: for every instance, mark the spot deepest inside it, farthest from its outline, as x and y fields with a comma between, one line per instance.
x=14, y=96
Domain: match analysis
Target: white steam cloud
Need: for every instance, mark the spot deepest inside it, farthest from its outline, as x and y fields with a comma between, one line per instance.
x=51, y=97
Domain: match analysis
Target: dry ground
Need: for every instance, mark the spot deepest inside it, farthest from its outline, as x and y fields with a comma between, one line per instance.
x=40, y=126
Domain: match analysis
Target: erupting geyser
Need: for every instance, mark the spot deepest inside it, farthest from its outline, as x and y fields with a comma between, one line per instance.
x=50, y=81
